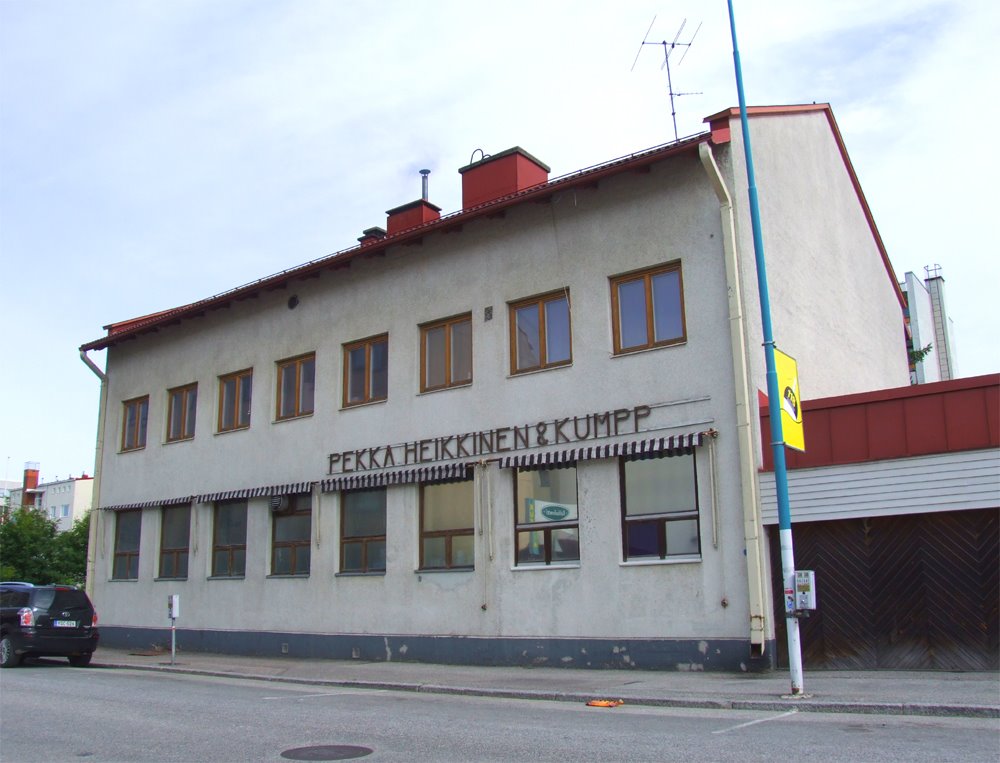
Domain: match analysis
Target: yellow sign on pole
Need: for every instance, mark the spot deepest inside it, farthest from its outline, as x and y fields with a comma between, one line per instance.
x=791, y=404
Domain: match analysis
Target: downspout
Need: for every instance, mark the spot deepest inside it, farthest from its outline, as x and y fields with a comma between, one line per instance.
x=95, y=514
x=752, y=526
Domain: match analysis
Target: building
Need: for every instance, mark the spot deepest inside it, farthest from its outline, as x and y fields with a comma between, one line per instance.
x=63, y=501
x=929, y=327
x=897, y=510
x=525, y=432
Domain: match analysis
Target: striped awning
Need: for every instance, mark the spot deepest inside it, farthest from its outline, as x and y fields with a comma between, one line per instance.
x=359, y=480
x=656, y=446
x=149, y=504
x=290, y=488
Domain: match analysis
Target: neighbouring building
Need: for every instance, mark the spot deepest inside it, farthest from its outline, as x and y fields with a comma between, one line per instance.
x=525, y=432
x=929, y=327
x=63, y=501
x=896, y=507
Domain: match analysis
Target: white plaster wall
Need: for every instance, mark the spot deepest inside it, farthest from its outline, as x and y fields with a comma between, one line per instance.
x=577, y=241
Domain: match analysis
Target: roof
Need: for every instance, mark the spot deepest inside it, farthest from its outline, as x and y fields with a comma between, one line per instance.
x=130, y=329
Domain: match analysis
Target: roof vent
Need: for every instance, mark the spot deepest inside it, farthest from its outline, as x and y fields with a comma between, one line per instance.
x=371, y=235
x=499, y=175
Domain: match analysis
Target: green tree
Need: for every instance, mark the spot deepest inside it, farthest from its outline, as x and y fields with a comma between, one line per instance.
x=32, y=549
x=71, y=552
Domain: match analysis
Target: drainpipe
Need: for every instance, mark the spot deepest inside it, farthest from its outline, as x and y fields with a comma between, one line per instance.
x=95, y=514
x=752, y=525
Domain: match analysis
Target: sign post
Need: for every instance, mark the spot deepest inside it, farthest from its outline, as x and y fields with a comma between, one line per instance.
x=173, y=612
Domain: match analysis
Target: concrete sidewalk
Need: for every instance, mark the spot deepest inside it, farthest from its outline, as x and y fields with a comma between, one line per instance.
x=974, y=695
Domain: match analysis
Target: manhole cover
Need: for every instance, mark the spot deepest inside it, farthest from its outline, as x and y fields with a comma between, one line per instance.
x=327, y=752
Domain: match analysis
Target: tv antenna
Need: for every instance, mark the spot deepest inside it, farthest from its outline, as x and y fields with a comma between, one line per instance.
x=668, y=48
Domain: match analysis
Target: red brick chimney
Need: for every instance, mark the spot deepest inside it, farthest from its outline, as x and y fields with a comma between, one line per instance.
x=500, y=175
x=410, y=215
x=29, y=483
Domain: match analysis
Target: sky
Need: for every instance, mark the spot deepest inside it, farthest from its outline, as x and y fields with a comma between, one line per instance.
x=155, y=152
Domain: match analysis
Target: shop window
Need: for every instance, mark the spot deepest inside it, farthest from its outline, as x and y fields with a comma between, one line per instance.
x=366, y=370
x=546, y=521
x=291, y=534
x=235, y=392
x=446, y=353
x=540, y=333
x=446, y=525
x=182, y=404
x=647, y=309
x=229, y=539
x=134, y=423
x=660, y=508
x=296, y=386
x=362, y=534
x=175, y=532
x=128, y=527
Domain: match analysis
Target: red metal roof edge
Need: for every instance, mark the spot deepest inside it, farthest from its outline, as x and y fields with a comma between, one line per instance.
x=130, y=329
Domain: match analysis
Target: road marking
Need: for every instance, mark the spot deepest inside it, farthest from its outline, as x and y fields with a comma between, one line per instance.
x=753, y=723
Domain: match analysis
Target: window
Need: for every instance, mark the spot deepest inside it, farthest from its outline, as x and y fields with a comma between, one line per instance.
x=234, y=400
x=446, y=523
x=65, y=510
x=647, y=309
x=446, y=353
x=134, y=424
x=540, y=333
x=362, y=531
x=128, y=525
x=659, y=508
x=366, y=370
x=291, y=533
x=181, y=405
x=296, y=385
x=545, y=518
x=175, y=531
x=229, y=543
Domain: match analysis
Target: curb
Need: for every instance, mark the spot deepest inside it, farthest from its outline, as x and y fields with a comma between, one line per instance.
x=803, y=705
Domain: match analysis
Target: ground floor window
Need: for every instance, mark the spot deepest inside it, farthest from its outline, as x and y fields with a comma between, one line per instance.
x=128, y=527
x=659, y=499
x=546, y=521
x=446, y=525
x=362, y=530
x=229, y=539
x=291, y=532
x=175, y=532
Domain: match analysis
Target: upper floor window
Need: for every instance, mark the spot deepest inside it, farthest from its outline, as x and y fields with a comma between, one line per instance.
x=175, y=532
x=659, y=508
x=362, y=530
x=540, y=332
x=182, y=402
x=446, y=353
x=291, y=531
x=134, y=423
x=647, y=308
x=234, y=400
x=229, y=539
x=296, y=386
x=128, y=526
x=446, y=525
x=546, y=521
x=366, y=370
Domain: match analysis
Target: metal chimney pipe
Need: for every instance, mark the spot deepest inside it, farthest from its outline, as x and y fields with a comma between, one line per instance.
x=423, y=183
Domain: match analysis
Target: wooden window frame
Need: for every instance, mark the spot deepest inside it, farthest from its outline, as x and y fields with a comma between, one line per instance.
x=660, y=520
x=448, y=324
x=545, y=528
x=240, y=378
x=228, y=548
x=141, y=429
x=171, y=552
x=543, y=344
x=646, y=275
x=130, y=556
x=295, y=508
x=446, y=534
x=298, y=362
x=367, y=344
x=183, y=393
x=365, y=540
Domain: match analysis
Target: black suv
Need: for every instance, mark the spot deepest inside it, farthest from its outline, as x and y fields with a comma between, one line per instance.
x=46, y=621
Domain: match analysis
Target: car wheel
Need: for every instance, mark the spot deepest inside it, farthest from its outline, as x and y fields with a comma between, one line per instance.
x=8, y=659
x=80, y=660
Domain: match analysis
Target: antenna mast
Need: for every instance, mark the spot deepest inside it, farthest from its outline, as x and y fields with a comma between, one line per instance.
x=668, y=48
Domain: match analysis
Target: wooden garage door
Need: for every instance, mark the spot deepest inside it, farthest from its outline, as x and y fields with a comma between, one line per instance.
x=911, y=592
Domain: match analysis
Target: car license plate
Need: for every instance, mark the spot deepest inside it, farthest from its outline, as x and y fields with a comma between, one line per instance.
x=64, y=623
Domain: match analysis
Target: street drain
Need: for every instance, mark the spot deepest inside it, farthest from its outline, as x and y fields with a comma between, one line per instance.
x=327, y=752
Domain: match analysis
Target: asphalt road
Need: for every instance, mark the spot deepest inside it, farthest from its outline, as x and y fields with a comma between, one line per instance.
x=51, y=712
